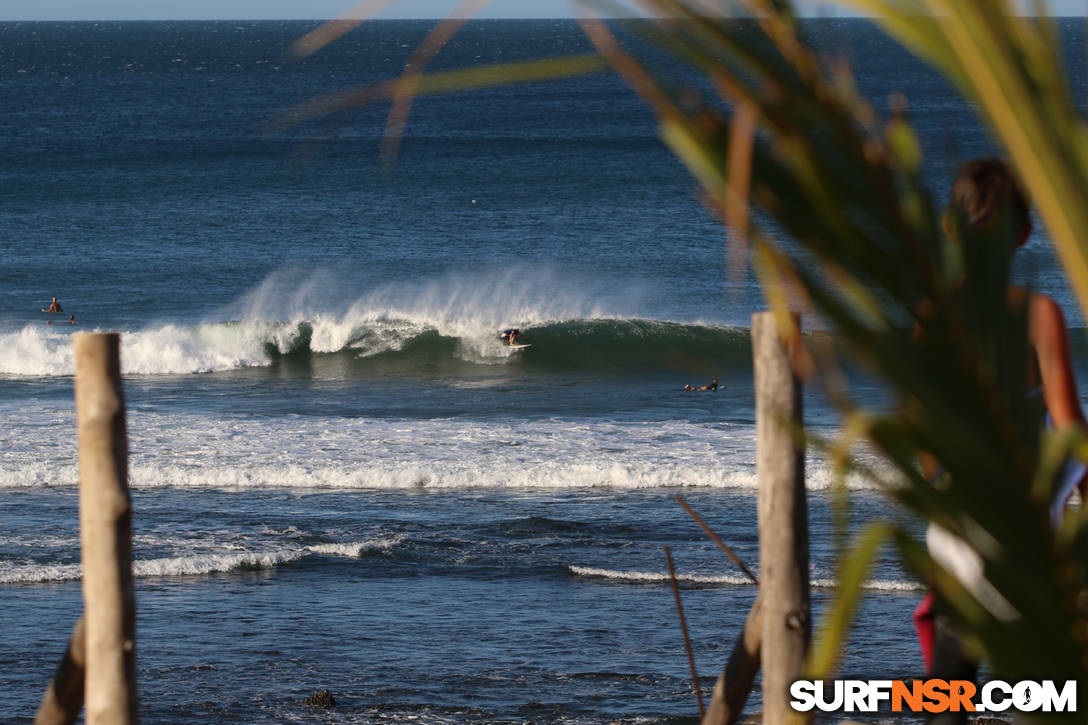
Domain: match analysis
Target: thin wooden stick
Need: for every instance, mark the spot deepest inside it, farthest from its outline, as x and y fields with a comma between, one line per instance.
x=716, y=539
x=63, y=698
x=684, y=629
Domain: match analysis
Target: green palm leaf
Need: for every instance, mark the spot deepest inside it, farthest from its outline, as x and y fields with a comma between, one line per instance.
x=830, y=199
x=845, y=222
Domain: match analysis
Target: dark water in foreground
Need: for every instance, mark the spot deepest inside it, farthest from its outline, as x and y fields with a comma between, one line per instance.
x=438, y=606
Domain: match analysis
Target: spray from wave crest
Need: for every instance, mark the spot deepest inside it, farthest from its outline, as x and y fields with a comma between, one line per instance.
x=468, y=308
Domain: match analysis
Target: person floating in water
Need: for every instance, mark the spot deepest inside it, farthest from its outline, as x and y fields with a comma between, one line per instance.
x=54, y=306
x=509, y=336
x=712, y=386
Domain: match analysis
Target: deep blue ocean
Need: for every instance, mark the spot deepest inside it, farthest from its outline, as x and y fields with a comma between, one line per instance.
x=341, y=479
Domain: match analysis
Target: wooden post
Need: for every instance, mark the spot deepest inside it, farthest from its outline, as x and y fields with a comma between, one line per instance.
x=783, y=517
x=105, y=515
x=64, y=697
x=735, y=682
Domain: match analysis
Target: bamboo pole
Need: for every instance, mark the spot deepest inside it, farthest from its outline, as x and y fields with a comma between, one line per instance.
x=783, y=518
x=64, y=697
x=735, y=682
x=105, y=515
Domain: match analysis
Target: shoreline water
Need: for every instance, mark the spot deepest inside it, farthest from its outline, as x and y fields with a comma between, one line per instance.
x=414, y=595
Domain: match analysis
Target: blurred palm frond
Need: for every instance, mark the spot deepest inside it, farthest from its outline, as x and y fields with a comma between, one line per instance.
x=843, y=223
x=334, y=107
x=830, y=199
x=499, y=74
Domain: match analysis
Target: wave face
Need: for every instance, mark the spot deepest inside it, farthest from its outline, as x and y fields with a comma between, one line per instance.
x=368, y=344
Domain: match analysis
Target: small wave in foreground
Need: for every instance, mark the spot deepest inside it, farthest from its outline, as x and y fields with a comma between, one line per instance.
x=198, y=564
x=651, y=577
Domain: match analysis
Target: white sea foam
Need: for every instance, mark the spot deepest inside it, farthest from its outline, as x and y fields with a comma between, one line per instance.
x=174, y=349
x=358, y=474
x=33, y=573
x=654, y=577
x=38, y=351
x=19, y=473
x=202, y=451
x=355, y=549
x=214, y=563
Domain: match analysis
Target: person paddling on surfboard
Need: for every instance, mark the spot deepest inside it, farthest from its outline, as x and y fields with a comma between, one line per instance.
x=712, y=386
x=54, y=306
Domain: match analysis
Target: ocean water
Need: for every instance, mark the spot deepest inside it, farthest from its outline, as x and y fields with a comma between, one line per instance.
x=341, y=479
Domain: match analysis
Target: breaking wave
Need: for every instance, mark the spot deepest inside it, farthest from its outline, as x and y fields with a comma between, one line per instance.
x=373, y=344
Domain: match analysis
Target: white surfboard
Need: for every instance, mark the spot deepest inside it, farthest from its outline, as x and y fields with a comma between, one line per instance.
x=519, y=346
